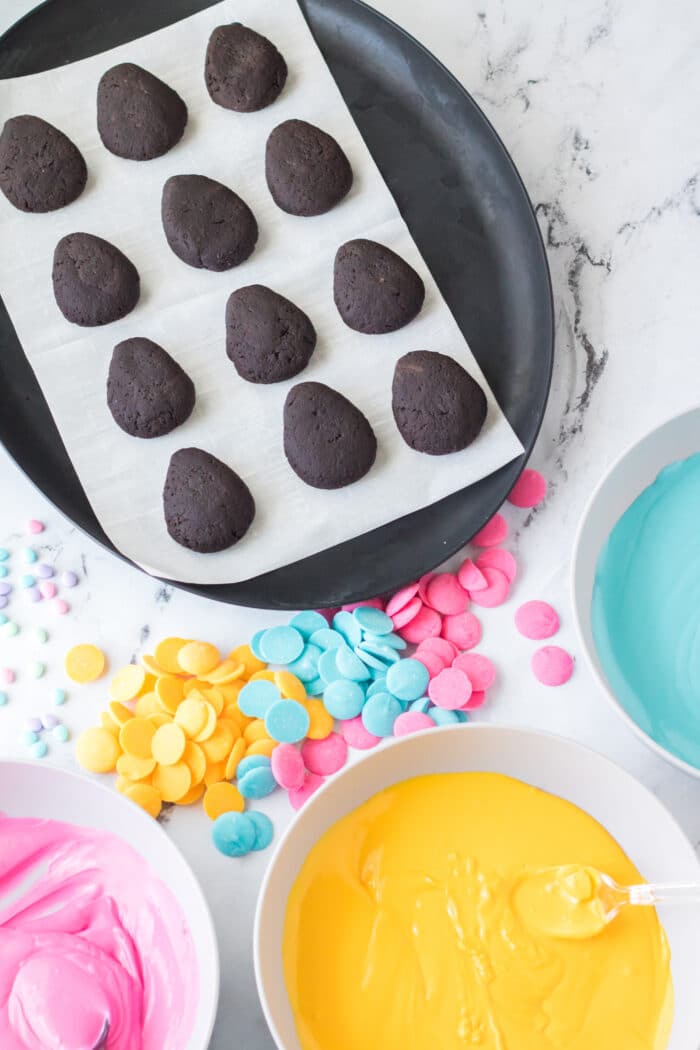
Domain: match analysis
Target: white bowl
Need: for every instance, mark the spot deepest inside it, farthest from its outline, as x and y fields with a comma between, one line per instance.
x=32, y=789
x=633, y=472
x=636, y=819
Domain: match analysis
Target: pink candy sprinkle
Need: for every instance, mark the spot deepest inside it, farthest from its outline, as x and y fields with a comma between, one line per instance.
x=355, y=734
x=407, y=613
x=496, y=592
x=426, y=624
x=450, y=689
x=325, y=756
x=371, y=603
x=7, y=675
x=298, y=796
x=493, y=532
x=412, y=722
x=529, y=490
x=432, y=662
x=537, y=620
x=445, y=594
x=62, y=607
x=35, y=527
x=552, y=665
x=470, y=576
x=475, y=701
x=498, y=559
x=47, y=589
x=478, y=669
x=463, y=630
x=288, y=767
x=401, y=599
x=445, y=650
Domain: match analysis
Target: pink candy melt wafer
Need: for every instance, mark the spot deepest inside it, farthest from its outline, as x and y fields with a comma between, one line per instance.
x=355, y=734
x=493, y=532
x=432, y=662
x=425, y=625
x=471, y=577
x=529, y=490
x=498, y=559
x=537, y=620
x=475, y=701
x=423, y=586
x=445, y=650
x=412, y=722
x=450, y=689
x=407, y=613
x=478, y=669
x=446, y=595
x=496, y=592
x=325, y=756
x=288, y=767
x=298, y=796
x=463, y=630
x=35, y=527
x=552, y=665
x=401, y=599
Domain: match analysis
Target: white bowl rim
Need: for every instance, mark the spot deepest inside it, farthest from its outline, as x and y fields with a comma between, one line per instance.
x=153, y=826
x=478, y=728
x=591, y=662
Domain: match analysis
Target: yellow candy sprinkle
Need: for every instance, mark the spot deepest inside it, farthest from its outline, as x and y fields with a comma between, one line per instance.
x=136, y=736
x=172, y=781
x=215, y=773
x=133, y=768
x=209, y=725
x=120, y=714
x=109, y=724
x=238, y=752
x=167, y=652
x=146, y=797
x=261, y=747
x=243, y=654
x=218, y=747
x=192, y=716
x=193, y=795
x=170, y=692
x=255, y=731
x=227, y=671
x=147, y=704
x=194, y=757
x=320, y=722
x=222, y=798
x=127, y=683
x=198, y=658
x=168, y=744
x=84, y=663
x=97, y=750
x=291, y=687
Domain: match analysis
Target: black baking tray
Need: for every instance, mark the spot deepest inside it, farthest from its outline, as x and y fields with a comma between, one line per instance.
x=469, y=213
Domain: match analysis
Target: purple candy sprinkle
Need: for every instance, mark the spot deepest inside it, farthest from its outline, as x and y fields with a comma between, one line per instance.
x=33, y=725
x=69, y=579
x=34, y=594
x=5, y=588
x=3, y=601
x=49, y=721
x=44, y=571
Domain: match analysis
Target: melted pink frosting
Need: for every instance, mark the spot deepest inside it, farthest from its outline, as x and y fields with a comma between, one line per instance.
x=88, y=933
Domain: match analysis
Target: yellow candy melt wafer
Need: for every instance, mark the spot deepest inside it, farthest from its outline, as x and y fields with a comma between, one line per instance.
x=227, y=671
x=192, y=716
x=195, y=758
x=144, y=796
x=134, y=768
x=167, y=652
x=215, y=773
x=127, y=683
x=320, y=722
x=136, y=736
x=97, y=750
x=159, y=718
x=146, y=705
x=237, y=753
x=84, y=663
x=256, y=731
x=291, y=687
x=168, y=744
x=261, y=747
x=198, y=658
x=109, y=724
x=119, y=713
x=218, y=747
x=152, y=666
x=215, y=697
x=172, y=781
x=193, y=795
x=209, y=725
x=222, y=798
x=170, y=693
x=243, y=654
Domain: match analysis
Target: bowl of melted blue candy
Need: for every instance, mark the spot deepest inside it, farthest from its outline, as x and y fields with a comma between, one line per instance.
x=636, y=588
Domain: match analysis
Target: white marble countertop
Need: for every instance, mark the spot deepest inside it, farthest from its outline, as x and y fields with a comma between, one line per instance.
x=596, y=103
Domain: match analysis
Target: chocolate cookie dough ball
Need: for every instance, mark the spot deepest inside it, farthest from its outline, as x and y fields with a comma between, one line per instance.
x=328, y=442
x=243, y=71
x=307, y=171
x=207, y=506
x=437, y=405
x=139, y=117
x=268, y=338
x=148, y=393
x=206, y=224
x=375, y=290
x=93, y=282
x=40, y=168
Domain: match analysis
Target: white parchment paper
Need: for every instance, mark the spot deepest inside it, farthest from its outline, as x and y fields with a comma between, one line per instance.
x=183, y=309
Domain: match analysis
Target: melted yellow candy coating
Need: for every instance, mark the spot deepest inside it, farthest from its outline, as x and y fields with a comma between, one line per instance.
x=403, y=929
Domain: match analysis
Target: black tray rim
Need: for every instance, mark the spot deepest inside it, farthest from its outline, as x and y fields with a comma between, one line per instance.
x=213, y=591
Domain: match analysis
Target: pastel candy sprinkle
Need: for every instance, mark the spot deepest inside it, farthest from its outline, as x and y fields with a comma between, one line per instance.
x=29, y=556
x=3, y=601
x=287, y=721
x=7, y=675
x=3, y=699
x=493, y=532
x=10, y=629
x=39, y=749
x=3, y=571
x=34, y=526
x=61, y=734
x=27, y=580
x=33, y=725
x=325, y=757
x=69, y=579
x=529, y=490
x=41, y=635
x=537, y=620
x=5, y=589
x=44, y=571
x=62, y=607
x=37, y=669
x=552, y=665
x=47, y=589
x=450, y=689
x=233, y=834
x=58, y=696
x=29, y=737
x=288, y=766
x=34, y=594
x=4, y=554
x=49, y=721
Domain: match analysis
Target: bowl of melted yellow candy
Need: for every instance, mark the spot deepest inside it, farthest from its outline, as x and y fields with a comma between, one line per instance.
x=407, y=907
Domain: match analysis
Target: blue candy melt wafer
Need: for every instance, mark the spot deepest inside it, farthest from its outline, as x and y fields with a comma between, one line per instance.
x=234, y=834
x=344, y=699
x=307, y=622
x=407, y=679
x=379, y=714
x=252, y=762
x=281, y=645
x=373, y=620
x=287, y=722
x=257, y=697
x=350, y=665
x=346, y=624
x=257, y=783
x=264, y=831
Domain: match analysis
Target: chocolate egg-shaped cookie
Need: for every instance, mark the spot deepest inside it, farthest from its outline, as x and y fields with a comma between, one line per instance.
x=139, y=117
x=375, y=290
x=268, y=338
x=206, y=224
x=437, y=405
x=243, y=70
x=93, y=282
x=40, y=168
x=148, y=393
x=307, y=172
x=328, y=442
x=207, y=506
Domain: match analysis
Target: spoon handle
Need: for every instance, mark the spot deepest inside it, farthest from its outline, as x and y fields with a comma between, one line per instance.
x=665, y=893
